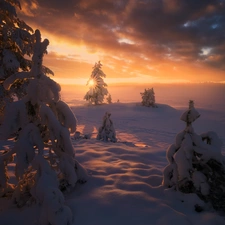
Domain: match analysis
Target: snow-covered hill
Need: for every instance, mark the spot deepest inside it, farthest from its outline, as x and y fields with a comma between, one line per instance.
x=124, y=185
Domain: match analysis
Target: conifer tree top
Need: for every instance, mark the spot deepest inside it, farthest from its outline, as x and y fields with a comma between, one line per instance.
x=190, y=115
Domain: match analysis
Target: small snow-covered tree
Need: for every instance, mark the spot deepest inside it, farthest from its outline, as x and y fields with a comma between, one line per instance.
x=148, y=98
x=42, y=122
x=16, y=42
x=97, y=86
x=109, y=99
x=106, y=131
x=196, y=164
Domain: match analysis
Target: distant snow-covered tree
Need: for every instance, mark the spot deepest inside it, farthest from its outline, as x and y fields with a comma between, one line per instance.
x=196, y=164
x=109, y=99
x=106, y=131
x=148, y=97
x=97, y=86
x=39, y=121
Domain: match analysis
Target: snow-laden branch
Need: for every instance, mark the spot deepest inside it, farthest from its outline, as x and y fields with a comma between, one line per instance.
x=15, y=117
x=42, y=90
x=29, y=137
x=36, y=69
x=54, y=210
x=59, y=135
x=17, y=76
x=46, y=191
x=45, y=178
x=65, y=115
x=5, y=187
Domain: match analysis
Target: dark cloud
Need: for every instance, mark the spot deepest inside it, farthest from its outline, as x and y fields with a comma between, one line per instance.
x=165, y=30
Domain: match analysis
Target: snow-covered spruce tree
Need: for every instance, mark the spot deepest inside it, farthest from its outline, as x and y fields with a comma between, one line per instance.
x=97, y=86
x=43, y=122
x=196, y=164
x=106, y=131
x=16, y=42
x=148, y=98
x=109, y=99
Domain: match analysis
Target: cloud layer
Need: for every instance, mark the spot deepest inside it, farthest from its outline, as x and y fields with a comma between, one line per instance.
x=155, y=39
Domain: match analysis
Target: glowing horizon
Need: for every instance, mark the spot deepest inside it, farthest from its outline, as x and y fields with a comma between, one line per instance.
x=117, y=81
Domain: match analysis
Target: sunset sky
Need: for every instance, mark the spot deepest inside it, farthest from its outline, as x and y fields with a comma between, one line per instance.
x=137, y=41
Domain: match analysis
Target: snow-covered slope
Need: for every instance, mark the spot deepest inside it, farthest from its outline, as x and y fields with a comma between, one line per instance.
x=124, y=185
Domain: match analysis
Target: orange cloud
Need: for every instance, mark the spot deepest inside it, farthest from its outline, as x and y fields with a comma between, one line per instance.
x=136, y=41
x=28, y=8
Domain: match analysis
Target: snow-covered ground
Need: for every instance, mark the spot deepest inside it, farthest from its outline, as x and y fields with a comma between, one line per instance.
x=124, y=185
